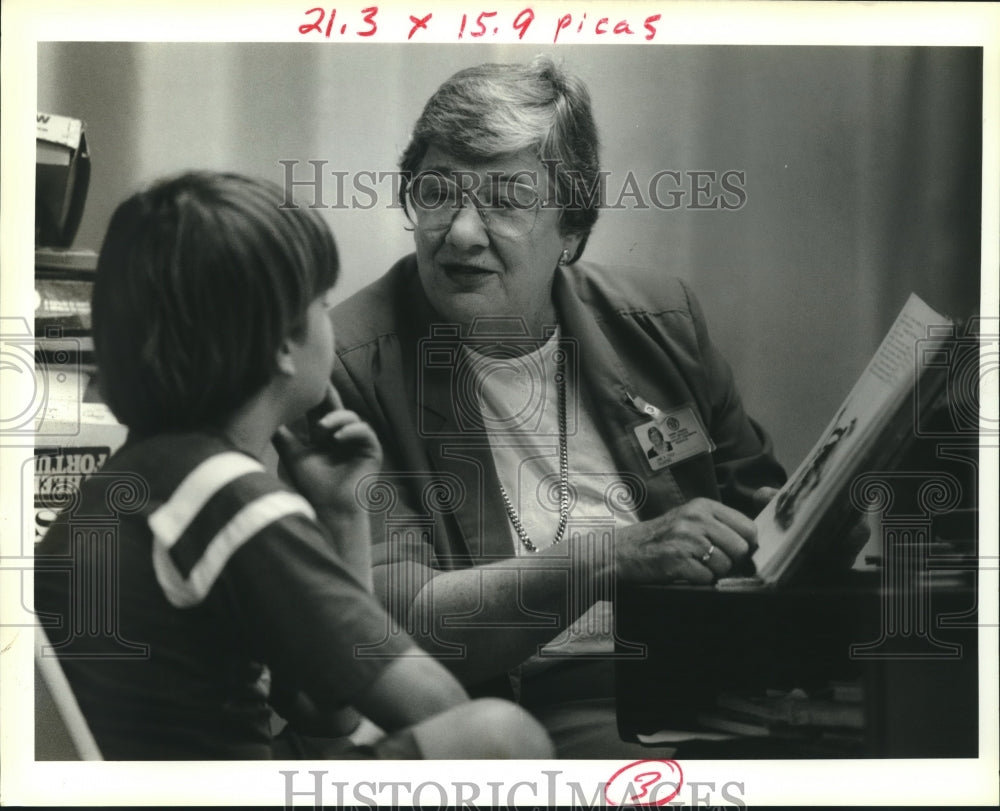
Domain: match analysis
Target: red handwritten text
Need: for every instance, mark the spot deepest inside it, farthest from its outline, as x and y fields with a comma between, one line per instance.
x=484, y=24
x=418, y=23
x=645, y=783
x=481, y=23
x=604, y=26
x=316, y=26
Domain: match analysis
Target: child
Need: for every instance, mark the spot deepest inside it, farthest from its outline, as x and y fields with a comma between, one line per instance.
x=211, y=331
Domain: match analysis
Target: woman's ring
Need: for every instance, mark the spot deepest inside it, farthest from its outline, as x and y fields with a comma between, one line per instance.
x=708, y=554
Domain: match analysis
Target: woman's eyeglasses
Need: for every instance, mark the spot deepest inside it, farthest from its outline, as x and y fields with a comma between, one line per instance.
x=507, y=208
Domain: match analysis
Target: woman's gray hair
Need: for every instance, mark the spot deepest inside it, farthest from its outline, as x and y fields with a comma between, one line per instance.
x=494, y=110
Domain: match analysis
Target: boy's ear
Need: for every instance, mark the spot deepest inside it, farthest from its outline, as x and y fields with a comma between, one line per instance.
x=284, y=360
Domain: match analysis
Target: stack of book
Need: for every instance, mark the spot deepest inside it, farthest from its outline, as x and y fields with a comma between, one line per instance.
x=832, y=716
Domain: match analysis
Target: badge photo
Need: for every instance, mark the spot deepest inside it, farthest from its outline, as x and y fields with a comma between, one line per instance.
x=672, y=437
x=655, y=447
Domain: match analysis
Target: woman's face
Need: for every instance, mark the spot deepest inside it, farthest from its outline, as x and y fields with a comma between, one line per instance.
x=469, y=271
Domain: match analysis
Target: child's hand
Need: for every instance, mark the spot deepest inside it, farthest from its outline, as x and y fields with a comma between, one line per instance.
x=343, y=450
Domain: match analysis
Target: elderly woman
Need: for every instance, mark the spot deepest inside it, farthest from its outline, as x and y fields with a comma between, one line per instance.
x=514, y=387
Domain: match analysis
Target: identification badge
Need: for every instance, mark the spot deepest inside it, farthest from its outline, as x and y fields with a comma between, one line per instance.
x=672, y=436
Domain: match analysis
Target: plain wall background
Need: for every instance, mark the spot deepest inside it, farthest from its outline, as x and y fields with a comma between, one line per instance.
x=862, y=173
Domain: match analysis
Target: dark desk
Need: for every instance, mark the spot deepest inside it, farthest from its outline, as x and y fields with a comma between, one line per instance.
x=914, y=650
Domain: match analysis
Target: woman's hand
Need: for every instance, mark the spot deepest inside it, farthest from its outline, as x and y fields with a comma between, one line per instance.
x=696, y=542
x=342, y=451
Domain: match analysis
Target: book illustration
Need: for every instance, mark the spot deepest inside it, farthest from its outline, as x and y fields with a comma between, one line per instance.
x=811, y=474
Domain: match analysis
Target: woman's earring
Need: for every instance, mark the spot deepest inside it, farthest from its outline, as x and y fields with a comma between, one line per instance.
x=564, y=257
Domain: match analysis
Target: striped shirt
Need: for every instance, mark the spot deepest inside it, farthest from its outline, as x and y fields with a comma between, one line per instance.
x=185, y=579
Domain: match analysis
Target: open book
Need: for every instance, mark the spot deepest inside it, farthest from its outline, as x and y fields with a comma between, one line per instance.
x=873, y=426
